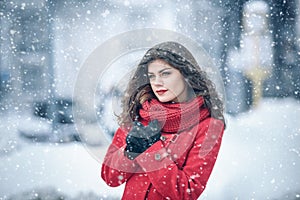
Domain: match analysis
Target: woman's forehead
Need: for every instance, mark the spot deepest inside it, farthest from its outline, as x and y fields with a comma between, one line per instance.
x=157, y=65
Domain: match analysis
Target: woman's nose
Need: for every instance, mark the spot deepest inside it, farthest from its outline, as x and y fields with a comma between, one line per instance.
x=157, y=81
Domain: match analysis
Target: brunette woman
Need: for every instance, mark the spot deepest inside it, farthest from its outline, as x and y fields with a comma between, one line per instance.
x=170, y=129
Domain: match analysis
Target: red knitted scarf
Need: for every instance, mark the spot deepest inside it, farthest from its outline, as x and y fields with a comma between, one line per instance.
x=174, y=117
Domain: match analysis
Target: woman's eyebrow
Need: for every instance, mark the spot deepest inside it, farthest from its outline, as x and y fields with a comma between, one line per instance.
x=160, y=71
x=164, y=69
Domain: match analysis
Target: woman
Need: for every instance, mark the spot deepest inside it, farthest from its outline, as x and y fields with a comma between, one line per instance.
x=170, y=130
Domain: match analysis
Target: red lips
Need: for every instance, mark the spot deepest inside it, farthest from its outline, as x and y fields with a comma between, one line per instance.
x=161, y=91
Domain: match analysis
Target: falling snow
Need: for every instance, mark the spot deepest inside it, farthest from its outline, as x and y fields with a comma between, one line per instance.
x=43, y=45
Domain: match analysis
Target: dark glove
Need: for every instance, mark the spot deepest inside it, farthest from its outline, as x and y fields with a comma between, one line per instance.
x=141, y=138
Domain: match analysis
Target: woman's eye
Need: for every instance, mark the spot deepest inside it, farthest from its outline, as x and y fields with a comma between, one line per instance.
x=151, y=77
x=164, y=74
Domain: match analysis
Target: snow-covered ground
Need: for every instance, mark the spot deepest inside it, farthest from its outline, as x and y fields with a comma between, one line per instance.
x=259, y=159
x=260, y=154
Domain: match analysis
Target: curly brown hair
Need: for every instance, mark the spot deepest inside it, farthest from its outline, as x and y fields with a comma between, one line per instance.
x=139, y=90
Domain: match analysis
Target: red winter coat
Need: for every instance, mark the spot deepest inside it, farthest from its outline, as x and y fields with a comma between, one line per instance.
x=176, y=167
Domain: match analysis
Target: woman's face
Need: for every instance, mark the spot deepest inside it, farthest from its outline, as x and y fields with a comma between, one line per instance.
x=167, y=82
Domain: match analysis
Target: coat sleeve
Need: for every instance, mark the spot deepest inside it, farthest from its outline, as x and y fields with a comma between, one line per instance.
x=116, y=168
x=188, y=181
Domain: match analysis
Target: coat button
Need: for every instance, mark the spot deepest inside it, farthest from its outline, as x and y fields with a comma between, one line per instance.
x=163, y=138
x=157, y=156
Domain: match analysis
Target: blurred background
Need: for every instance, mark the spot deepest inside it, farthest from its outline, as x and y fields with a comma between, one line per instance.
x=43, y=43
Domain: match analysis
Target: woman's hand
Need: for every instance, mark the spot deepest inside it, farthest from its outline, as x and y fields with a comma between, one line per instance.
x=141, y=138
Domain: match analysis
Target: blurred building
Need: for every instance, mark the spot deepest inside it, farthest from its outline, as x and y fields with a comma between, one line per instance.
x=26, y=51
x=283, y=25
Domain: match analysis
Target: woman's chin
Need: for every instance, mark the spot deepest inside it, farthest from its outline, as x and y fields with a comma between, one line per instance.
x=165, y=100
